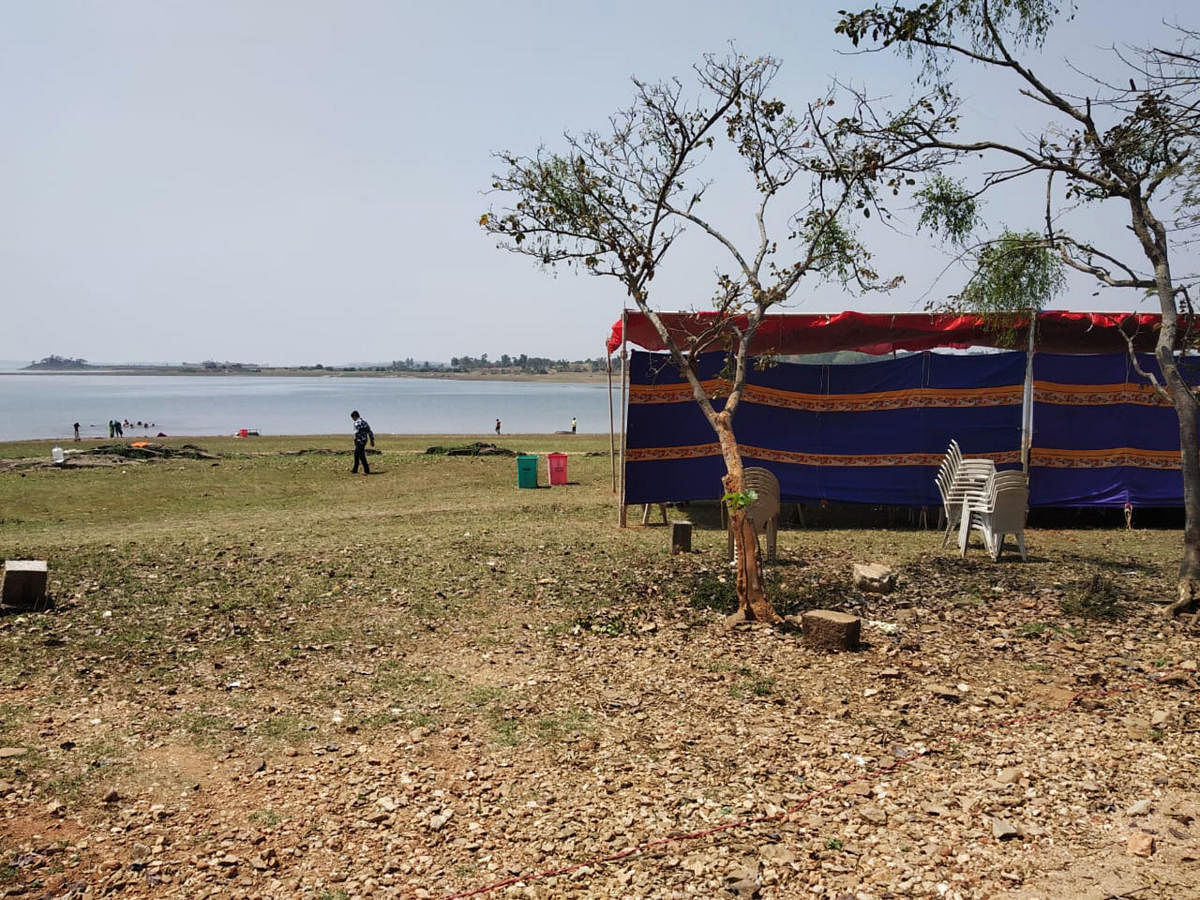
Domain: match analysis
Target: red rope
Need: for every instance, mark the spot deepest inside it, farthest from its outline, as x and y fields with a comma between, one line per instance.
x=870, y=775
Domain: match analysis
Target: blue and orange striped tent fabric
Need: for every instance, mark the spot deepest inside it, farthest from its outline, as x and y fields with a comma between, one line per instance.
x=1103, y=436
x=876, y=432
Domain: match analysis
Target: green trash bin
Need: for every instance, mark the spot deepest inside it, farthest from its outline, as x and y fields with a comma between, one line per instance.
x=527, y=466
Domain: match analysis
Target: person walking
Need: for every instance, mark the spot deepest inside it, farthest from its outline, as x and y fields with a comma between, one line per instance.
x=362, y=434
x=574, y=424
x=497, y=426
x=77, y=431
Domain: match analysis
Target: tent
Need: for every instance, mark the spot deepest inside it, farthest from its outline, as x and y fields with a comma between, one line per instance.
x=1070, y=407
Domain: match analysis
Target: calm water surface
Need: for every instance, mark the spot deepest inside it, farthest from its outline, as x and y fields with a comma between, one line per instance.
x=45, y=406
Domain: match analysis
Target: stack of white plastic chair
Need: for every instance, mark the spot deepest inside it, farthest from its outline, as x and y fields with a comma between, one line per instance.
x=1000, y=511
x=764, y=511
x=959, y=480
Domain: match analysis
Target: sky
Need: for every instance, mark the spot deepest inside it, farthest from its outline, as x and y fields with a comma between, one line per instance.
x=291, y=182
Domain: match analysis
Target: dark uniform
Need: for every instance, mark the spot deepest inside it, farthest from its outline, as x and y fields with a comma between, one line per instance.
x=362, y=434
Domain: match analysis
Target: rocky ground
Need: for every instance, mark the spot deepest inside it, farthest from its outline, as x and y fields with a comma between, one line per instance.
x=971, y=750
x=558, y=722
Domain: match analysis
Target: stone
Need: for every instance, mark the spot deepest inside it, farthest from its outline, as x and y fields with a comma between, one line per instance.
x=777, y=853
x=1176, y=678
x=1140, y=808
x=681, y=537
x=24, y=584
x=1011, y=775
x=874, y=815
x=1141, y=844
x=744, y=881
x=829, y=630
x=1004, y=830
x=874, y=578
x=945, y=692
x=10, y=752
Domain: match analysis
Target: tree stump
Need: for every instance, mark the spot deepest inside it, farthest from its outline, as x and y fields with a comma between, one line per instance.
x=825, y=629
x=874, y=578
x=24, y=584
x=681, y=537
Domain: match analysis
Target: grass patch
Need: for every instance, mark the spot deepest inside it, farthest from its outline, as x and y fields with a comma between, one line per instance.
x=266, y=818
x=494, y=706
x=207, y=731
x=716, y=591
x=568, y=723
x=286, y=729
x=1098, y=598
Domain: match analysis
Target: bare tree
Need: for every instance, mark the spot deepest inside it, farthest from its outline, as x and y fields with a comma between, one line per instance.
x=614, y=203
x=1132, y=144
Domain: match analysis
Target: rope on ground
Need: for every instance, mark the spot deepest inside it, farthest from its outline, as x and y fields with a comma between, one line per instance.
x=869, y=775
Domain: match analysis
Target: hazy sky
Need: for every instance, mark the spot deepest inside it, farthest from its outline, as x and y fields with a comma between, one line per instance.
x=299, y=182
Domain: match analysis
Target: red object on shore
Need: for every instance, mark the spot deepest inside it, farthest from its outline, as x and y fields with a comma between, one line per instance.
x=243, y=432
x=558, y=467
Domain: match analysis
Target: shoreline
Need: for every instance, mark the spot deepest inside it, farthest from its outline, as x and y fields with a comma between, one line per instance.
x=406, y=440
x=476, y=375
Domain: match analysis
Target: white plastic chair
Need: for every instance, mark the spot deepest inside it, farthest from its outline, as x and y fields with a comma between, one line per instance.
x=764, y=511
x=999, y=510
x=1010, y=506
x=959, y=479
x=662, y=508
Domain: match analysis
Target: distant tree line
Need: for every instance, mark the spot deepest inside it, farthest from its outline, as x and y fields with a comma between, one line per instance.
x=59, y=362
x=212, y=365
x=534, y=365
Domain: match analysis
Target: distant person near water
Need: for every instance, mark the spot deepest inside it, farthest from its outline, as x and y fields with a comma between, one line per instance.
x=497, y=426
x=112, y=428
x=574, y=424
x=362, y=434
x=76, y=431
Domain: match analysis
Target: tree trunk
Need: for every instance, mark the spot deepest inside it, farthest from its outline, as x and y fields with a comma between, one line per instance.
x=1189, y=453
x=753, y=605
x=1184, y=402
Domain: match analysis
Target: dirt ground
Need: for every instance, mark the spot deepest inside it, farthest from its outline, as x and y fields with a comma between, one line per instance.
x=518, y=710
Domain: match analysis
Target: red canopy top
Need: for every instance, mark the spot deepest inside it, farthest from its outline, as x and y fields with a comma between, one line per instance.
x=1057, y=331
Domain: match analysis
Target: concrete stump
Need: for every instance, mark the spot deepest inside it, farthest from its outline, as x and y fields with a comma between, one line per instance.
x=825, y=629
x=24, y=584
x=681, y=537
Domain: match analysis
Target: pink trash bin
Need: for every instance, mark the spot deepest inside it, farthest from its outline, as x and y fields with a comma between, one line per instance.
x=558, y=467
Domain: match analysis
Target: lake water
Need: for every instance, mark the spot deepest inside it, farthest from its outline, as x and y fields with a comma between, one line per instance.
x=45, y=406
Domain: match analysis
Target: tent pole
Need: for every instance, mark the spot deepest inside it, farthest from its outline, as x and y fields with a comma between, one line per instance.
x=612, y=440
x=624, y=409
x=1027, y=396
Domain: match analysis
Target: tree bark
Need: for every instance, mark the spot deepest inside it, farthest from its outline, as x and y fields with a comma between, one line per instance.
x=1153, y=237
x=753, y=605
x=1189, y=453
